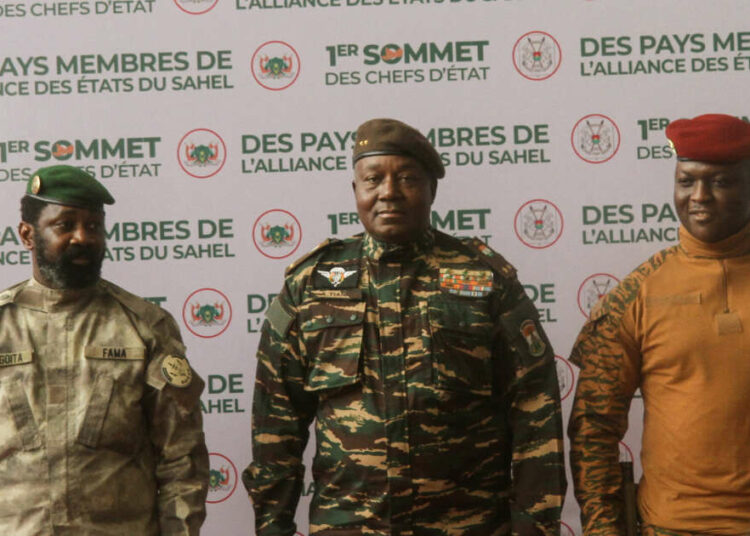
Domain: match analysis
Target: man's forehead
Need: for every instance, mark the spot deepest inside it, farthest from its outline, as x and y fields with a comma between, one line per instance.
x=54, y=210
x=380, y=161
x=712, y=168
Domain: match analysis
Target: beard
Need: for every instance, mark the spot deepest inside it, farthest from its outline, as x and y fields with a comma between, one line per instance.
x=63, y=273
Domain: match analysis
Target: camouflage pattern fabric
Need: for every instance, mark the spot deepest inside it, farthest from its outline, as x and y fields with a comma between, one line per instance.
x=673, y=328
x=599, y=418
x=101, y=431
x=650, y=530
x=432, y=387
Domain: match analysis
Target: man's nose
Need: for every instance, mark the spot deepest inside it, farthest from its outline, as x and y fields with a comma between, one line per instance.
x=701, y=191
x=389, y=188
x=82, y=235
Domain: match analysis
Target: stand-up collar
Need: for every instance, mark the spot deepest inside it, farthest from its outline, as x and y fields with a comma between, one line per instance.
x=732, y=246
x=378, y=250
x=38, y=296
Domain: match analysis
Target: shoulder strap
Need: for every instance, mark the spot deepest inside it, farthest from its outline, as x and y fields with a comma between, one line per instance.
x=490, y=257
x=317, y=249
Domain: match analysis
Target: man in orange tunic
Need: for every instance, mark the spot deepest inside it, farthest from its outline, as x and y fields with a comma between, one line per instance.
x=678, y=327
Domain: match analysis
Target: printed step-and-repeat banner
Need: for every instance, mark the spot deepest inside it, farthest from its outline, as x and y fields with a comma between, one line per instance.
x=224, y=130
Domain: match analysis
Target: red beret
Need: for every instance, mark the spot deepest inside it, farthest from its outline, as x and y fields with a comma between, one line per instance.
x=714, y=138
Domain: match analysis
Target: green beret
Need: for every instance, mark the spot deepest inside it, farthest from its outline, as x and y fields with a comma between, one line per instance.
x=68, y=185
x=389, y=136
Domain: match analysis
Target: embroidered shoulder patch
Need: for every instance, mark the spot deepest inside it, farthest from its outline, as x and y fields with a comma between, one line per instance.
x=176, y=371
x=533, y=339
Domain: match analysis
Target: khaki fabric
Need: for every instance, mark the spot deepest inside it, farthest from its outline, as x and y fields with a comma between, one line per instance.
x=678, y=327
x=93, y=438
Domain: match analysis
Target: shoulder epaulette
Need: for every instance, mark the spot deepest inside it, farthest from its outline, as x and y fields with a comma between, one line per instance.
x=317, y=249
x=144, y=309
x=9, y=294
x=490, y=257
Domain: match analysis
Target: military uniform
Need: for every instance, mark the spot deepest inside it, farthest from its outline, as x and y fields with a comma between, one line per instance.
x=429, y=380
x=678, y=328
x=101, y=430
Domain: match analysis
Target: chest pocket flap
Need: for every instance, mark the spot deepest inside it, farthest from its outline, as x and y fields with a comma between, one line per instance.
x=461, y=337
x=332, y=333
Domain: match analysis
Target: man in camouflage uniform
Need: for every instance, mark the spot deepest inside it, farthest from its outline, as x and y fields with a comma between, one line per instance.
x=675, y=327
x=421, y=360
x=101, y=430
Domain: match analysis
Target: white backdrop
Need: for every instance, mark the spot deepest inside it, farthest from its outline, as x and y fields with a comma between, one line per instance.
x=224, y=127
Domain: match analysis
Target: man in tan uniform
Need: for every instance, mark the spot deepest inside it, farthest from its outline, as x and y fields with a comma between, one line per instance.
x=100, y=428
x=678, y=327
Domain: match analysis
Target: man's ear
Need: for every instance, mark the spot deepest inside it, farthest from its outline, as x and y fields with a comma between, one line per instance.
x=26, y=232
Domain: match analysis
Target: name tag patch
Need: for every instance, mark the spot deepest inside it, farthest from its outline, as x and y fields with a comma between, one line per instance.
x=16, y=358
x=116, y=353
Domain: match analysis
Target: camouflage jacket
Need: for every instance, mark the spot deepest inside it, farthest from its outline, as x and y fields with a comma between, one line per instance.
x=101, y=431
x=673, y=328
x=429, y=380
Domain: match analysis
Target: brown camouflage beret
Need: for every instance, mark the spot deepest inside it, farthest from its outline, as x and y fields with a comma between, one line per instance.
x=389, y=136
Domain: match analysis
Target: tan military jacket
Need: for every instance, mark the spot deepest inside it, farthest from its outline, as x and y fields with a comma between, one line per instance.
x=677, y=327
x=100, y=425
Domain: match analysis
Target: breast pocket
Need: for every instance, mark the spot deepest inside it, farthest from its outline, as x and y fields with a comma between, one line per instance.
x=461, y=343
x=113, y=418
x=332, y=332
x=18, y=429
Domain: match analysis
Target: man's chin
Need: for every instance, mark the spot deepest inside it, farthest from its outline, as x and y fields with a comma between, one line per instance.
x=72, y=276
x=394, y=236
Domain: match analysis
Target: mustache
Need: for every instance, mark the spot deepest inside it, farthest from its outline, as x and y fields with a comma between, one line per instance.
x=76, y=251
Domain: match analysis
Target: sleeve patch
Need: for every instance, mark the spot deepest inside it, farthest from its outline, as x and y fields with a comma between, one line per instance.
x=176, y=371
x=279, y=318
